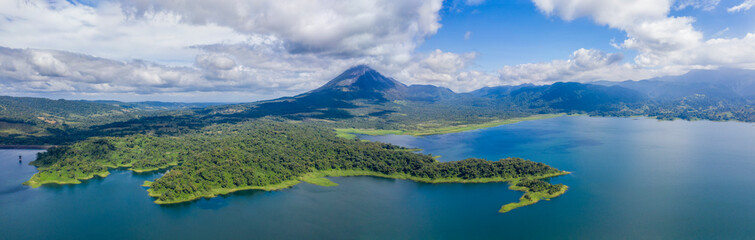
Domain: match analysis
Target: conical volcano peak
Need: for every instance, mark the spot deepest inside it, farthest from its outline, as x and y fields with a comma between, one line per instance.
x=351, y=75
x=362, y=82
x=359, y=69
x=361, y=78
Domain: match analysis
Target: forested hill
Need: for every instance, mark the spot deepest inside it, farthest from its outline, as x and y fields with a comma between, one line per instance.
x=26, y=120
x=29, y=120
x=263, y=154
x=62, y=111
x=569, y=96
x=157, y=105
x=82, y=112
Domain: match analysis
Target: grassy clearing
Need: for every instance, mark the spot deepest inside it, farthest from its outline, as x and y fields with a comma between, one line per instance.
x=320, y=181
x=349, y=132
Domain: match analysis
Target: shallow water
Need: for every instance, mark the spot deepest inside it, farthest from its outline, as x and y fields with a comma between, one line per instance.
x=631, y=179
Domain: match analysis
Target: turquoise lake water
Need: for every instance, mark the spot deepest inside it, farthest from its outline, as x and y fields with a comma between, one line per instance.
x=632, y=179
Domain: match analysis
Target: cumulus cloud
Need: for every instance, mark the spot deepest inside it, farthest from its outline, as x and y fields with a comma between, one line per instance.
x=308, y=71
x=744, y=6
x=662, y=41
x=582, y=66
x=174, y=47
x=41, y=71
x=444, y=69
x=665, y=45
x=364, y=27
x=165, y=31
x=260, y=49
x=252, y=72
x=106, y=31
x=646, y=22
x=211, y=61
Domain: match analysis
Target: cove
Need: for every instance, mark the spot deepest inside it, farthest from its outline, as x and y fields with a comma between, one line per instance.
x=630, y=179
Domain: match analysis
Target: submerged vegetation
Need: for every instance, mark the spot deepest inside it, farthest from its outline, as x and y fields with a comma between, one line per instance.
x=266, y=155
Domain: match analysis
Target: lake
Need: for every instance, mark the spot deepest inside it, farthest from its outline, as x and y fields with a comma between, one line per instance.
x=632, y=178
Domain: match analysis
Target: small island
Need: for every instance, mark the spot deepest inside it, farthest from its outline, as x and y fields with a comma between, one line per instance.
x=534, y=190
x=271, y=155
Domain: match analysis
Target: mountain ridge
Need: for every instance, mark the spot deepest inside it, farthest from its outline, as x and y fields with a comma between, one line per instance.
x=725, y=84
x=363, y=98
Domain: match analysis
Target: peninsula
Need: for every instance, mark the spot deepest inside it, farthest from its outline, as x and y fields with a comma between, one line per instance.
x=266, y=155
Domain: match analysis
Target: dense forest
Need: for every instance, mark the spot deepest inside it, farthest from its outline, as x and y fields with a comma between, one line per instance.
x=257, y=154
x=215, y=149
x=41, y=121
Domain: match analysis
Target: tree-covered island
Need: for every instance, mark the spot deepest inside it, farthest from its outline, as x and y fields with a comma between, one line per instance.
x=270, y=155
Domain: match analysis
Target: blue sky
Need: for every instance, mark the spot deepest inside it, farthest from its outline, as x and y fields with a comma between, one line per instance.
x=515, y=32
x=193, y=50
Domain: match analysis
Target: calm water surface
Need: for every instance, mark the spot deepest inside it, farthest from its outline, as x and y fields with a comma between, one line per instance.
x=631, y=179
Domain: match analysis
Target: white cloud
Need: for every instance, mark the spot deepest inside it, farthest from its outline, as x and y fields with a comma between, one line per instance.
x=615, y=13
x=256, y=49
x=351, y=28
x=744, y=6
x=245, y=72
x=39, y=71
x=106, y=31
x=437, y=68
x=165, y=31
x=583, y=65
x=269, y=48
x=706, y=5
x=662, y=41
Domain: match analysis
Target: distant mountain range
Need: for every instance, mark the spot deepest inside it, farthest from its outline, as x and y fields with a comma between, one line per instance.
x=361, y=97
x=364, y=83
x=726, y=84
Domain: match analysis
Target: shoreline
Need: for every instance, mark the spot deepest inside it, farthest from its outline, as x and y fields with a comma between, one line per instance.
x=35, y=182
x=43, y=147
x=317, y=177
x=350, y=132
x=529, y=197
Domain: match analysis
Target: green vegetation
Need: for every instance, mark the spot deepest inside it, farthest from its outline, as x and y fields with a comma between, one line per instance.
x=351, y=173
x=318, y=179
x=264, y=155
x=54, y=178
x=534, y=190
x=349, y=132
x=697, y=107
x=95, y=156
x=275, y=144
